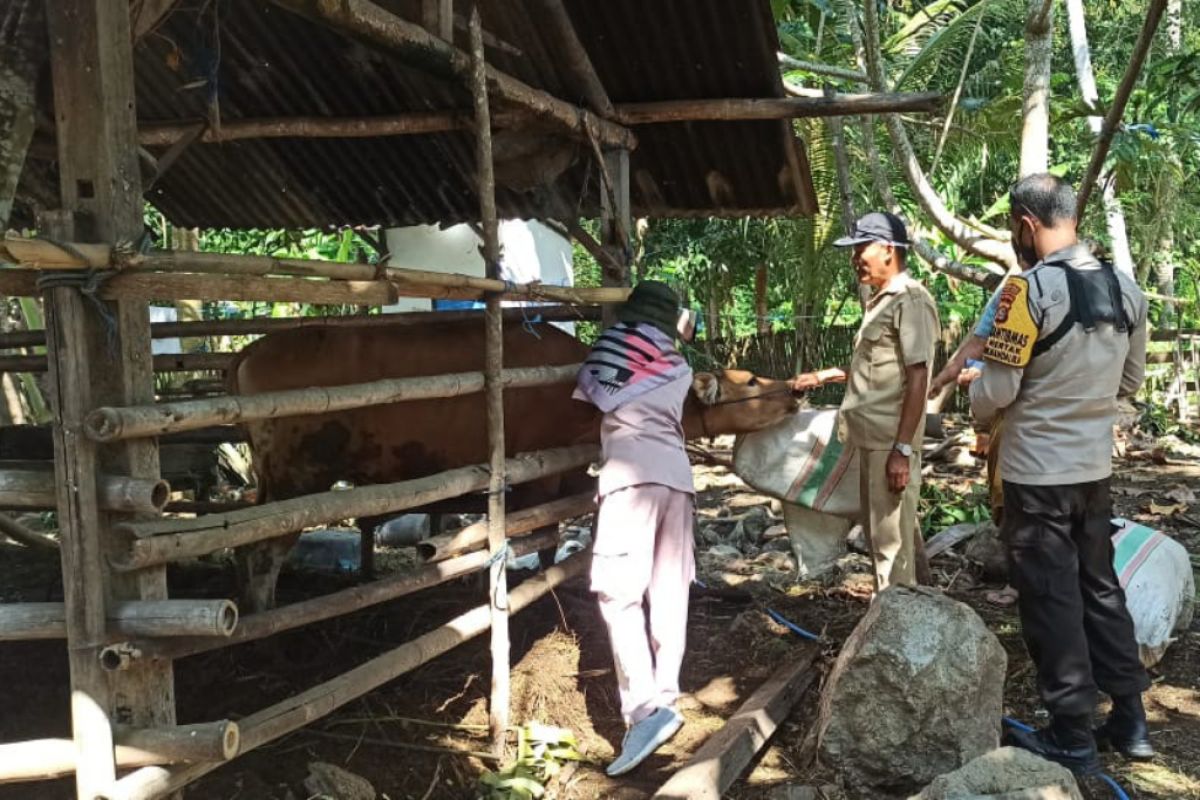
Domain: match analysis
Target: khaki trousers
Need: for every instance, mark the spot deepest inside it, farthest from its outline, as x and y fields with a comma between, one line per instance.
x=889, y=518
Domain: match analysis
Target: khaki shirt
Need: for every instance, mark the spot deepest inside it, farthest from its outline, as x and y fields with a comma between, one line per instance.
x=899, y=329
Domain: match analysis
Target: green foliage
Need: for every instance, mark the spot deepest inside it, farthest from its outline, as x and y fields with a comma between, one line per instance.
x=541, y=753
x=942, y=506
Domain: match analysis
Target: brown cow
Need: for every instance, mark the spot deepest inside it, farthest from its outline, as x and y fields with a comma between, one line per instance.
x=382, y=444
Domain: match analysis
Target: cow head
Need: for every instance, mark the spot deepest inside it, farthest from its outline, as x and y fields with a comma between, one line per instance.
x=735, y=401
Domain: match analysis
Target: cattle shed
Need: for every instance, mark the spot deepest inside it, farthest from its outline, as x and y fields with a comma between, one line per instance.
x=319, y=113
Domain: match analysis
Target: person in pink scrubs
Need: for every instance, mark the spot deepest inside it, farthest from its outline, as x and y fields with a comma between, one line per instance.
x=642, y=559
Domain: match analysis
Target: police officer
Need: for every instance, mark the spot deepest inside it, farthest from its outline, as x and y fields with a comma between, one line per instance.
x=883, y=413
x=1069, y=338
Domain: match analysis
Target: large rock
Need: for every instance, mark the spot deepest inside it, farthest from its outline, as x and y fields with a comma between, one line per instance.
x=1005, y=774
x=334, y=783
x=916, y=692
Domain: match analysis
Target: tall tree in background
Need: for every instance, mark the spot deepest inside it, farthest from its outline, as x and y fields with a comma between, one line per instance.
x=1113, y=214
x=1035, y=110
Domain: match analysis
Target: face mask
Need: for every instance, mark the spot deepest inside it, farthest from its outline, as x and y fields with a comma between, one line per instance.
x=1026, y=253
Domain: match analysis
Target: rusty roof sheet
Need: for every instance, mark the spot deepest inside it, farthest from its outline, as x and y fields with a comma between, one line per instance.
x=249, y=59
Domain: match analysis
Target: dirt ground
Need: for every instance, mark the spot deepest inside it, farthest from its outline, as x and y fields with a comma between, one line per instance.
x=414, y=737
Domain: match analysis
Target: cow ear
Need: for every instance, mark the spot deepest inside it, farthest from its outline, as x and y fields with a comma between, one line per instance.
x=707, y=387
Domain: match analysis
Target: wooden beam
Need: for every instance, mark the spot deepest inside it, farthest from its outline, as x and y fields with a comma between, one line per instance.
x=35, y=488
x=367, y=21
x=578, y=65
x=1117, y=108
x=164, y=362
x=131, y=618
x=716, y=765
x=164, y=540
x=108, y=424
x=164, y=133
x=263, y=325
x=732, y=109
x=355, y=598
x=473, y=536
x=47, y=759
x=22, y=535
x=269, y=724
x=139, y=288
x=98, y=357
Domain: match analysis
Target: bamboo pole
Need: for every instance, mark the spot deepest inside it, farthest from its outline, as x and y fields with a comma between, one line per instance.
x=282, y=718
x=464, y=540
x=175, y=539
x=19, y=533
x=36, y=488
x=112, y=424
x=163, y=362
x=498, y=704
x=167, y=132
x=336, y=604
x=1117, y=108
x=129, y=618
x=48, y=759
x=230, y=284
x=366, y=21
x=263, y=325
x=739, y=108
x=148, y=286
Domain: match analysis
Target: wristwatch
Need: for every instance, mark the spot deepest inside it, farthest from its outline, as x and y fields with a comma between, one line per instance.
x=903, y=449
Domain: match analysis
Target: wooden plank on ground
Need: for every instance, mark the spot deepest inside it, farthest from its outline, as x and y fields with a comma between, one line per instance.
x=720, y=760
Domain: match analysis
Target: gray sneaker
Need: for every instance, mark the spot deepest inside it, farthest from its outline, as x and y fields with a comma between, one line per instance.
x=644, y=738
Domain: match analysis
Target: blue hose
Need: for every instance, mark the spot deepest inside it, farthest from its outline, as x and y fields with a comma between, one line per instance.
x=775, y=615
x=1021, y=726
x=793, y=627
x=1117, y=791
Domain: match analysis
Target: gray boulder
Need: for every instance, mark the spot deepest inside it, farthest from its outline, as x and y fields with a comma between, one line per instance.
x=915, y=693
x=1005, y=774
x=987, y=549
x=331, y=782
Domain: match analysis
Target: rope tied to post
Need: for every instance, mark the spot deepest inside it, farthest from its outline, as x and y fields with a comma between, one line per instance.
x=499, y=601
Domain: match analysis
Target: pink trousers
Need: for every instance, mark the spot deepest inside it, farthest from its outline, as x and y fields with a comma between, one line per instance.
x=643, y=556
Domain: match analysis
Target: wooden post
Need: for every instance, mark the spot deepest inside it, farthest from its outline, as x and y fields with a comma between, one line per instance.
x=716, y=765
x=615, y=223
x=493, y=389
x=293, y=713
x=98, y=354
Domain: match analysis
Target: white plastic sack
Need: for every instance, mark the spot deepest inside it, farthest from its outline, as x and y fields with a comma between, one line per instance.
x=1160, y=590
x=801, y=461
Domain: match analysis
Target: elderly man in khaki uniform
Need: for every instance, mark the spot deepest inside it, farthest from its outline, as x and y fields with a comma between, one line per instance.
x=883, y=413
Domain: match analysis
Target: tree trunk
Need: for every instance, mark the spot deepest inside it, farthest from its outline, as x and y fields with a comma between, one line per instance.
x=927, y=197
x=1174, y=26
x=23, y=42
x=1035, y=112
x=1166, y=244
x=760, y=300
x=1114, y=216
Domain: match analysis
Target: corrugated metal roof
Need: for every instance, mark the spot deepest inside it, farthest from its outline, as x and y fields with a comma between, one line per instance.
x=249, y=59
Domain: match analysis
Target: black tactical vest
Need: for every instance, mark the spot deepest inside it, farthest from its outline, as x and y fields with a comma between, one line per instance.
x=1094, y=296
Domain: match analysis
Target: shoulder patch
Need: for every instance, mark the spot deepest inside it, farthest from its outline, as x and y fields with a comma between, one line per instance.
x=1015, y=332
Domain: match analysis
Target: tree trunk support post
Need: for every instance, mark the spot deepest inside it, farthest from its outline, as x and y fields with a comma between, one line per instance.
x=92, y=66
x=615, y=223
x=494, y=391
